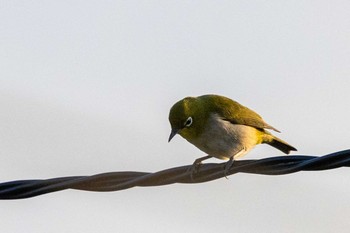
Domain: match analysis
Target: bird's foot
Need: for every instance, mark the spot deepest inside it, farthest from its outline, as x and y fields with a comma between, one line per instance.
x=228, y=166
x=196, y=164
x=194, y=168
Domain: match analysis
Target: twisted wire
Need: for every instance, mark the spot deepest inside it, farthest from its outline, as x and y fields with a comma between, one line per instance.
x=116, y=181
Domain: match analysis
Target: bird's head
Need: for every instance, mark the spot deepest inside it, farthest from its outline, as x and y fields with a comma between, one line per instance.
x=186, y=118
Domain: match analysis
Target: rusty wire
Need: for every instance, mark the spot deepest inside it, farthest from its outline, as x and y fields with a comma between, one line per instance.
x=116, y=181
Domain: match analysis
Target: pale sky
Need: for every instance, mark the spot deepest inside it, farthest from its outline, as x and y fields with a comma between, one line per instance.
x=86, y=88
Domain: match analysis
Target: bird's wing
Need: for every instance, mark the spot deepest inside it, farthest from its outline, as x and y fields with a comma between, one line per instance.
x=239, y=114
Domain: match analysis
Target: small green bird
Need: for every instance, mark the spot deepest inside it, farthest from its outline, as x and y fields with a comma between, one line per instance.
x=221, y=127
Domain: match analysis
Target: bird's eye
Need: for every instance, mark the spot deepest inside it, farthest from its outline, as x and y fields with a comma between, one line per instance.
x=188, y=122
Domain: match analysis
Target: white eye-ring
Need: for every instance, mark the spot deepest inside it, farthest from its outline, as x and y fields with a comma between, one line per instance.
x=189, y=122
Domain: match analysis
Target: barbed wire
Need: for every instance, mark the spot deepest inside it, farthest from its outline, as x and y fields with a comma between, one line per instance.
x=116, y=181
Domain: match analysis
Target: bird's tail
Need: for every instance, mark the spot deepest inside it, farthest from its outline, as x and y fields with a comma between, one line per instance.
x=279, y=144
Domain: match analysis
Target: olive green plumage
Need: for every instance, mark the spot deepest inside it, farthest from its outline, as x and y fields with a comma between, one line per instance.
x=221, y=127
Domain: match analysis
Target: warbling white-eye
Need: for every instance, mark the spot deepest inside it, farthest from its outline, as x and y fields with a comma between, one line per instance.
x=221, y=127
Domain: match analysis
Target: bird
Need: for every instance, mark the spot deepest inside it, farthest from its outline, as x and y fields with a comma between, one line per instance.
x=222, y=128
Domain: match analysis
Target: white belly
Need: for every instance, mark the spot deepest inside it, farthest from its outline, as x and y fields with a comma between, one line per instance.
x=223, y=140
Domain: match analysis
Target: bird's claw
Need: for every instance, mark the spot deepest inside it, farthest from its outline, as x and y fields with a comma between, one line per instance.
x=228, y=166
x=194, y=168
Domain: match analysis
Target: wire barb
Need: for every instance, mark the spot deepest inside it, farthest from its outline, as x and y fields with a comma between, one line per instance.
x=116, y=181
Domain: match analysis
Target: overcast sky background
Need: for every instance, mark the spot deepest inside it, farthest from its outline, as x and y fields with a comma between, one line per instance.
x=86, y=86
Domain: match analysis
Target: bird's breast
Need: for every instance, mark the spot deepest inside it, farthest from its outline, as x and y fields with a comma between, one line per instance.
x=222, y=139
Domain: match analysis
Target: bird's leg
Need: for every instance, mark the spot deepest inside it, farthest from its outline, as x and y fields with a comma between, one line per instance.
x=230, y=162
x=195, y=166
x=228, y=165
x=201, y=159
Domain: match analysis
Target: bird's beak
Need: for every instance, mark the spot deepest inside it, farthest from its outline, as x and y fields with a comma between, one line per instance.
x=173, y=133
